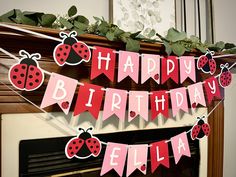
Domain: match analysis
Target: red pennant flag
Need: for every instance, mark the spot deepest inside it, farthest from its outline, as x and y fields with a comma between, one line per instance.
x=103, y=61
x=212, y=89
x=89, y=98
x=159, y=155
x=159, y=103
x=170, y=69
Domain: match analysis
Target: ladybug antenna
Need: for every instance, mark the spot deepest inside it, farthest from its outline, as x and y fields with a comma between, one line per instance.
x=203, y=117
x=35, y=56
x=63, y=34
x=198, y=118
x=226, y=65
x=210, y=52
x=72, y=34
x=23, y=53
x=89, y=129
x=81, y=129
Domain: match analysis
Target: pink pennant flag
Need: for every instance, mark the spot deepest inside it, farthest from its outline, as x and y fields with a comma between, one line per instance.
x=115, y=103
x=180, y=146
x=137, y=159
x=179, y=100
x=150, y=67
x=103, y=61
x=159, y=155
x=128, y=65
x=196, y=95
x=212, y=88
x=89, y=98
x=60, y=90
x=114, y=158
x=138, y=105
x=187, y=68
x=159, y=104
x=170, y=69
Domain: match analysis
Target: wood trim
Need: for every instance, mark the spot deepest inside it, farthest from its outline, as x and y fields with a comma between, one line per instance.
x=216, y=141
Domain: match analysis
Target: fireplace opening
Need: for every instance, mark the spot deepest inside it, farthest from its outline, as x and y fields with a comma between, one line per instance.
x=46, y=157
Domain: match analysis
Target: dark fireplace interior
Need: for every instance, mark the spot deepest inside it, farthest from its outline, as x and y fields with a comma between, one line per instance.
x=46, y=157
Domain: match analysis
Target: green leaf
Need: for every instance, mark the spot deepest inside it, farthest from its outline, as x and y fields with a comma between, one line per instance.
x=220, y=45
x=47, y=20
x=110, y=36
x=174, y=35
x=118, y=32
x=178, y=49
x=82, y=19
x=72, y=11
x=97, y=18
x=65, y=23
x=194, y=39
x=152, y=33
x=103, y=28
x=168, y=48
x=132, y=45
x=7, y=16
x=202, y=49
x=230, y=51
x=79, y=31
x=80, y=25
x=133, y=35
x=229, y=45
x=22, y=19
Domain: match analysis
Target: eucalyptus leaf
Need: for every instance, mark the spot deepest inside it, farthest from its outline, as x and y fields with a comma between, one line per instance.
x=168, y=48
x=174, y=35
x=194, y=39
x=110, y=36
x=229, y=45
x=81, y=19
x=97, y=18
x=47, y=20
x=103, y=28
x=22, y=19
x=230, y=51
x=118, y=32
x=7, y=16
x=220, y=45
x=79, y=31
x=80, y=25
x=152, y=33
x=72, y=11
x=65, y=23
x=202, y=49
x=133, y=35
x=178, y=49
x=132, y=45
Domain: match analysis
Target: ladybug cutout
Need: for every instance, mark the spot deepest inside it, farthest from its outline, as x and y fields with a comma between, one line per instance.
x=206, y=63
x=83, y=146
x=200, y=129
x=71, y=51
x=26, y=75
x=225, y=77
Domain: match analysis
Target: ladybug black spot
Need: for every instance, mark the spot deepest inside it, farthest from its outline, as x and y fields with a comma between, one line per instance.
x=31, y=69
x=91, y=147
x=19, y=82
x=23, y=67
x=14, y=77
x=89, y=141
x=72, y=153
x=76, y=147
x=80, y=141
x=60, y=49
x=36, y=80
x=31, y=84
x=30, y=76
x=16, y=70
x=95, y=152
x=66, y=47
x=85, y=56
x=94, y=142
x=61, y=59
x=80, y=51
x=58, y=55
x=37, y=74
x=97, y=146
x=64, y=54
x=70, y=147
x=74, y=142
x=76, y=46
x=22, y=75
x=81, y=46
x=86, y=50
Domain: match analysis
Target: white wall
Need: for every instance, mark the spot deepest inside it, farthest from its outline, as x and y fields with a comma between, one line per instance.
x=225, y=29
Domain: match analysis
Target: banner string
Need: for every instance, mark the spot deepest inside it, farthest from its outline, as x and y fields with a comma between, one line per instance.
x=60, y=40
x=104, y=89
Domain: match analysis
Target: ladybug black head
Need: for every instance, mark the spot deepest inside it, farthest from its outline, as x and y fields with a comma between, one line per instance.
x=68, y=38
x=85, y=134
x=209, y=54
x=224, y=67
x=201, y=121
x=29, y=59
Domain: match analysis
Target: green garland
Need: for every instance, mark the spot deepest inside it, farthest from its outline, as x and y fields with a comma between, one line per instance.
x=175, y=41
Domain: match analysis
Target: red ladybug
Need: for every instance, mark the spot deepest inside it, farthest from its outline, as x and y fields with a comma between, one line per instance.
x=71, y=51
x=83, y=146
x=26, y=75
x=206, y=63
x=225, y=77
x=200, y=129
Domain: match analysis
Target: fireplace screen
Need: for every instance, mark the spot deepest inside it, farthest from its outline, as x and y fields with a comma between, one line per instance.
x=46, y=157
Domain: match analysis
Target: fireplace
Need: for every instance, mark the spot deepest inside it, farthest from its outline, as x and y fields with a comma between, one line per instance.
x=45, y=157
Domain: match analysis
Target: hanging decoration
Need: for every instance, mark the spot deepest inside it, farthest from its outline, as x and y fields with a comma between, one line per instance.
x=225, y=77
x=71, y=51
x=200, y=129
x=206, y=63
x=26, y=74
x=83, y=146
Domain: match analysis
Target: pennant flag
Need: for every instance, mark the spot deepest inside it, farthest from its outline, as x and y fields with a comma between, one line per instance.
x=159, y=104
x=187, y=68
x=150, y=67
x=114, y=158
x=103, y=61
x=212, y=88
x=138, y=105
x=159, y=155
x=180, y=146
x=115, y=103
x=128, y=65
x=170, y=69
x=60, y=90
x=89, y=98
x=137, y=159
x=196, y=95
x=179, y=100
